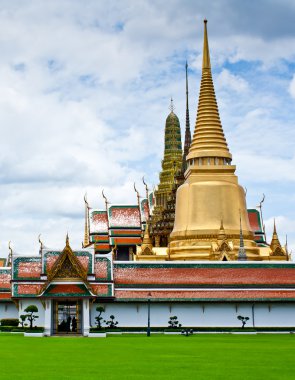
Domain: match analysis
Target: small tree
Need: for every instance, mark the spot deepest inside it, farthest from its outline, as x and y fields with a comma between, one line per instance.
x=243, y=320
x=30, y=310
x=23, y=318
x=111, y=324
x=99, y=318
x=173, y=323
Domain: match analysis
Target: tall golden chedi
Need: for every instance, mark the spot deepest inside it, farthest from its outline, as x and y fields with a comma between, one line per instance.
x=210, y=203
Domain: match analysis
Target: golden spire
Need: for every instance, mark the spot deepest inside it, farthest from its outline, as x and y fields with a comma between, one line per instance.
x=206, y=54
x=67, y=240
x=86, y=228
x=147, y=241
x=208, y=140
x=221, y=235
x=275, y=242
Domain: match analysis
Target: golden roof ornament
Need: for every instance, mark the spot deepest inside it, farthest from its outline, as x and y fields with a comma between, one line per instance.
x=147, y=244
x=275, y=244
x=86, y=241
x=208, y=139
x=221, y=235
x=67, y=240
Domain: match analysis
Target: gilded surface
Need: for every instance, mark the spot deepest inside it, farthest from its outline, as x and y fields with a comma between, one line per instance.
x=211, y=191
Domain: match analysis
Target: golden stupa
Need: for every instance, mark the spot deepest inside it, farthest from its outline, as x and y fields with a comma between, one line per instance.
x=210, y=206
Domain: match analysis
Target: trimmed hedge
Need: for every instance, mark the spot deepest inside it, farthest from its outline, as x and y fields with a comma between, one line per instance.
x=21, y=329
x=103, y=330
x=9, y=322
x=195, y=329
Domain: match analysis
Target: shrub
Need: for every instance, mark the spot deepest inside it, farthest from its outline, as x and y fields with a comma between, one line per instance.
x=31, y=310
x=111, y=323
x=243, y=320
x=173, y=322
x=9, y=322
x=99, y=318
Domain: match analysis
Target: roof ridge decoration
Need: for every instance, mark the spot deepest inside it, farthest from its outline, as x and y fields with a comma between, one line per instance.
x=86, y=241
x=66, y=266
x=275, y=244
x=208, y=139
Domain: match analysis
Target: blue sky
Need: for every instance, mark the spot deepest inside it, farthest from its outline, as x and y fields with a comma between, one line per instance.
x=85, y=90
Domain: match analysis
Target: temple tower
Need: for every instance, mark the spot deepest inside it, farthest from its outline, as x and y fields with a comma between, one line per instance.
x=171, y=163
x=211, y=192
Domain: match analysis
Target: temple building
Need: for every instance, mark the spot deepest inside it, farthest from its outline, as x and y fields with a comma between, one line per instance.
x=189, y=248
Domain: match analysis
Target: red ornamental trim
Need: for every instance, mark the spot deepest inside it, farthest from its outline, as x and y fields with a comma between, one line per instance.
x=5, y=296
x=211, y=276
x=68, y=288
x=206, y=295
x=125, y=241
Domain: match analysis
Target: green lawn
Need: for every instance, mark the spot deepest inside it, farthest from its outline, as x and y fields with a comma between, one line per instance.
x=203, y=356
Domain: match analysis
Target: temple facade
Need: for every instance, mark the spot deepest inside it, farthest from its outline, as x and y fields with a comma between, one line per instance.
x=190, y=248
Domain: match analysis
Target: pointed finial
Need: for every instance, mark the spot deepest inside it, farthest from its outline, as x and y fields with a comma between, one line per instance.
x=9, y=259
x=187, y=137
x=147, y=195
x=171, y=107
x=67, y=240
x=275, y=244
x=86, y=224
x=242, y=253
x=9, y=247
x=137, y=192
x=274, y=226
x=221, y=235
x=105, y=199
x=206, y=54
x=41, y=244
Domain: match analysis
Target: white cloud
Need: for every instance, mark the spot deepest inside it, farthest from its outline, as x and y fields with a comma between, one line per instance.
x=226, y=80
x=292, y=87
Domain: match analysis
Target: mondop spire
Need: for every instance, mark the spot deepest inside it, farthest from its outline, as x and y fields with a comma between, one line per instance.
x=211, y=191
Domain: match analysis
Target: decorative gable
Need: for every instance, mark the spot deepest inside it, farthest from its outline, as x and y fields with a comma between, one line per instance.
x=67, y=266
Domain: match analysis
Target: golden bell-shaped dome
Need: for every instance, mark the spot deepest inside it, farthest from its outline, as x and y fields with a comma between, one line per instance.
x=211, y=191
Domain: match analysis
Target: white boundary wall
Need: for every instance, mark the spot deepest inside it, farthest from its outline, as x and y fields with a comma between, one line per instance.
x=188, y=314
x=199, y=315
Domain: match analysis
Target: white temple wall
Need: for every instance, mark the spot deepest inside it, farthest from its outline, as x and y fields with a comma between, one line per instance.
x=197, y=314
x=8, y=310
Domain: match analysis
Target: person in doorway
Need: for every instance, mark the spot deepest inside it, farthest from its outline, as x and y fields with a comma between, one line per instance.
x=74, y=324
x=69, y=319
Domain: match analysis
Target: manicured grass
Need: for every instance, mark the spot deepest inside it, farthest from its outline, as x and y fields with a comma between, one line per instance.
x=203, y=356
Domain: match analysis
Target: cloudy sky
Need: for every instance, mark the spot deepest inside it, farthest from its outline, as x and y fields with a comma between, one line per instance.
x=84, y=94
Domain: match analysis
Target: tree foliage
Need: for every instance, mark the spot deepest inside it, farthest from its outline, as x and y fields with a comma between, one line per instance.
x=31, y=310
x=99, y=318
x=243, y=320
x=173, y=322
x=111, y=323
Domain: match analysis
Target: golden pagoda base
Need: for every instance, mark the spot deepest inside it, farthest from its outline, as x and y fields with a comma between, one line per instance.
x=211, y=249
